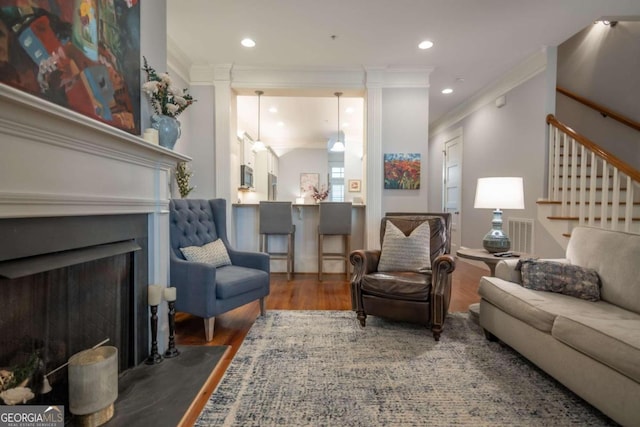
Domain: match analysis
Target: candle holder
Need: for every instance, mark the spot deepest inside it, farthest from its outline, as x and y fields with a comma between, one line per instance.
x=155, y=357
x=172, y=351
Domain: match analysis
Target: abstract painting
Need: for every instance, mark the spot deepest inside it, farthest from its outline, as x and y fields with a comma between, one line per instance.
x=81, y=54
x=402, y=171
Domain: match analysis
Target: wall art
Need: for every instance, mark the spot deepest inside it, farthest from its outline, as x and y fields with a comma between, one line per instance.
x=402, y=171
x=81, y=54
x=355, y=185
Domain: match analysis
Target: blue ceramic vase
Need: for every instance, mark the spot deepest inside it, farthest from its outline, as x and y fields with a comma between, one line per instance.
x=168, y=129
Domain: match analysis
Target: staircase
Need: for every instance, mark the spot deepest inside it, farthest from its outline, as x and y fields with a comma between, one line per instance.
x=587, y=186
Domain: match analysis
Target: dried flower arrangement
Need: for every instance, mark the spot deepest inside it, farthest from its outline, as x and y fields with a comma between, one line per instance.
x=183, y=175
x=165, y=98
x=321, y=193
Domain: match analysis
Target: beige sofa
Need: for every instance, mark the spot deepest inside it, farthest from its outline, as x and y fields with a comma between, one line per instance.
x=593, y=348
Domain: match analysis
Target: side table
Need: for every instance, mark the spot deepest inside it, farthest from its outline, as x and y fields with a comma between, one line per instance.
x=491, y=261
x=482, y=255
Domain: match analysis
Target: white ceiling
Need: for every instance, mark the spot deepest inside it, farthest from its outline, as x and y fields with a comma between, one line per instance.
x=476, y=41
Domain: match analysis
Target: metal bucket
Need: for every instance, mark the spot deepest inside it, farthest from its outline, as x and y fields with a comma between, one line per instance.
x=93, y=380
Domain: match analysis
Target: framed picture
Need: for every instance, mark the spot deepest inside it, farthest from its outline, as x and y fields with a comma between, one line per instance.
x=355, y=185
x=308, y=181
x=82, y=55
x=402, y=171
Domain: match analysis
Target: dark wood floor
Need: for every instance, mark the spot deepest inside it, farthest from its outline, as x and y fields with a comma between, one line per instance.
x=303, y=292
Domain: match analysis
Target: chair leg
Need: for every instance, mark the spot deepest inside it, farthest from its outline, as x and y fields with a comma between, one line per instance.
x=208, y=328
x=320, y=239
x=362, y=317
x=289, y=256
x=262, y=309
x=347, y=251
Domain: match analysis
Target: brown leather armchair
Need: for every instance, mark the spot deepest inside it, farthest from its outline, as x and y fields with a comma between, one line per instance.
x=406, y=296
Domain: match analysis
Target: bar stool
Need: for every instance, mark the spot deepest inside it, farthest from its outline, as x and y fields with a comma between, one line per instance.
x=335, y=220
x=276, y=218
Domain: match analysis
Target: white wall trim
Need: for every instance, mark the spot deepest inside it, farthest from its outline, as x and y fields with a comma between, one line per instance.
x=519, y=74
x=177, y=60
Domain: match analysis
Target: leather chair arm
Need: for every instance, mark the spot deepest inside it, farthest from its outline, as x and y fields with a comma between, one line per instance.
x=364, y=262
x=442, y=267
x=195, y=285
x=257, y=260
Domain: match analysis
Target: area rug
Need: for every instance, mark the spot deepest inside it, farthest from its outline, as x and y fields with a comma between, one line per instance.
x=320, y=368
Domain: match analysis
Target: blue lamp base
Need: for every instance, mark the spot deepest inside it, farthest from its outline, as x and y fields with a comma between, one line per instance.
x=496, y=240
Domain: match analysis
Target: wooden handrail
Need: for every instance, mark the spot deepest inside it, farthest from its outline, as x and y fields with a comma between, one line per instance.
x=600, y=108
x=623, y=167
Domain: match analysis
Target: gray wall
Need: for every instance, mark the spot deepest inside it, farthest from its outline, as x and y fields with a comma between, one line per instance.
x=507, y=141
x=602, y=64
x=197, y=142
x=405, y=129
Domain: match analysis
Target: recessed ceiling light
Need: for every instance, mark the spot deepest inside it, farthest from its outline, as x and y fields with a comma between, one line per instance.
x=426, y=44
x=273, y=110
x=248, y=42
x=447, y=91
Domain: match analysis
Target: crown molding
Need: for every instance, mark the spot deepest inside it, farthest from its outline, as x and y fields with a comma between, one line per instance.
x=527, y=69
x=177, y=60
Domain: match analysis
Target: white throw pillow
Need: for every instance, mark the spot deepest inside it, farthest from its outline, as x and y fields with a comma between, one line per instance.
x=406, y=253
x=214, y=253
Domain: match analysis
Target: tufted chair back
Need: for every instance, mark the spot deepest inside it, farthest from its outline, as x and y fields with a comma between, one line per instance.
x=195, y=222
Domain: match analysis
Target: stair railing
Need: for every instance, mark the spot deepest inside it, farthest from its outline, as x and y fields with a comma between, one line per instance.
x=576, y=164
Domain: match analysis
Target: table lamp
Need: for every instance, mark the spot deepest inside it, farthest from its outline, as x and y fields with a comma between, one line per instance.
x=498, y=193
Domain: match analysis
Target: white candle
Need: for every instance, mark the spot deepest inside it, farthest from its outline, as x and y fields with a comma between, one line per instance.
x=169, y=294
x=155, y=294
x=151, y=135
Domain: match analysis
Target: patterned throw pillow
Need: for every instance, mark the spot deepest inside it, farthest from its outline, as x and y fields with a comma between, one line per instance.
x=566, y=279
x=405, y=253
x=214, y=253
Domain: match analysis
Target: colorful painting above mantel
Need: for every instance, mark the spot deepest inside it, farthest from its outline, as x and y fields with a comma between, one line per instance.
x=81, y=54
x=402, y=171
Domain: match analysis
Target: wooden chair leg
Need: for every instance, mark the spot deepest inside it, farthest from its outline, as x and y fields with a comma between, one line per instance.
x=320, y=238
x=289, y=256
x=208, y=328
x=262, y=309
x=347, y=251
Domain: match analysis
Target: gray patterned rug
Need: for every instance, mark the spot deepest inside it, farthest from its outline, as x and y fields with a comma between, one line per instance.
x=320, y=368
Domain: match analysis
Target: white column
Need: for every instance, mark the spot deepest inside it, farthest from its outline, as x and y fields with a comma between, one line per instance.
x=373, y=157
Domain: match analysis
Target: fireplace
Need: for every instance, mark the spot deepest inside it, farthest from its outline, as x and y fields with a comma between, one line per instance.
x=69, y=283
x=93, y=200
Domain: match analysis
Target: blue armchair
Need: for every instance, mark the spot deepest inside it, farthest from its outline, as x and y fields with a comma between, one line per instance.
x=202, y=289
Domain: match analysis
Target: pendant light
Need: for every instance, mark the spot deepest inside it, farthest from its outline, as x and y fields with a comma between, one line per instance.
x=338, y=146
x=259, y=145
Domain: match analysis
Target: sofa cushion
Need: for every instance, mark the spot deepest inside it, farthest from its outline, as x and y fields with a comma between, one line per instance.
x=405, y=253
x=400, y=285
x=568, y=279
x=614, y=255
x=606, y=333
x=537, y=309
x=214, y=253
x=233, y=280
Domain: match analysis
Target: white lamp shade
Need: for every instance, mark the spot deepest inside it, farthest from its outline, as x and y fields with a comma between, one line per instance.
x=499, y=193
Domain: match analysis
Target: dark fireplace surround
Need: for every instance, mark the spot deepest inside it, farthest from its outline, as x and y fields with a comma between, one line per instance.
x=67, y=283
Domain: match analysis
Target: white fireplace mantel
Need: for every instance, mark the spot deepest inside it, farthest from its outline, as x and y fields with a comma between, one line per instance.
x=55, y=162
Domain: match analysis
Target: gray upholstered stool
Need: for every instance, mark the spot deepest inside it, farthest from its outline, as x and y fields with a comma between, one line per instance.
x=276, y=218
x=335, y=220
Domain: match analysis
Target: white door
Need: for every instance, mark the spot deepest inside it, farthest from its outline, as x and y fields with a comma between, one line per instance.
x=451, y=186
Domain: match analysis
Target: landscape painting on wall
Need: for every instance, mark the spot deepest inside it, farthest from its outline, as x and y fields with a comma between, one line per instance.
x=402, y=171
x=81, y=54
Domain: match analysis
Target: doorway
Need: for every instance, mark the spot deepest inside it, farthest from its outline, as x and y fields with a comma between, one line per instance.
x=452, y=185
